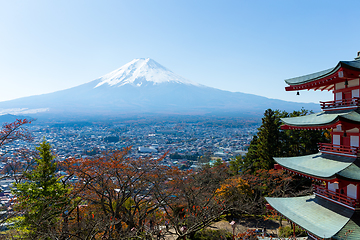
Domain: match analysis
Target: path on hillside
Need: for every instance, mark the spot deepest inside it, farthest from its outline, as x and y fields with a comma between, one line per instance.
x=242, y=226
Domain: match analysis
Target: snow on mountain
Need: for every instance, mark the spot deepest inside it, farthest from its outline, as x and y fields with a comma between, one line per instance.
x=143, y=86
x=141, y=71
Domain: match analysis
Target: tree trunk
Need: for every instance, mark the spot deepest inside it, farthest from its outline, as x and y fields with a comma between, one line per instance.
x=65, y=228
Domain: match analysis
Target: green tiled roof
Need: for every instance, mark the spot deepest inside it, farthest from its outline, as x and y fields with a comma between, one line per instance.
x=352, y=64
x=318, y=75
x=351, y=172
x=351, y=231
x=310, y=77
x=321, y=165
x=321, y=118
x=316, y=215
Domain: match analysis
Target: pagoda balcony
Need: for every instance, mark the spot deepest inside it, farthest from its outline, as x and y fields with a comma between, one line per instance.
x=338, y=198
x=349, y=103
x=334, y=149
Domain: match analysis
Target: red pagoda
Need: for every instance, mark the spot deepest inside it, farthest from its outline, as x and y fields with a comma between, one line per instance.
x=333, y=211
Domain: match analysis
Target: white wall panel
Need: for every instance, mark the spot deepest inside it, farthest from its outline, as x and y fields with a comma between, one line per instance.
x=352, y=190
x=354, y=141
x=336, y=139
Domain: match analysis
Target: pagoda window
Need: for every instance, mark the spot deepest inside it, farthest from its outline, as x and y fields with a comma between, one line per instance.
x=338, y=128
x=336, y=139
x=352, y=191
x=333, y=186
x=338, y=96
x=354, y=141
x=355, y=93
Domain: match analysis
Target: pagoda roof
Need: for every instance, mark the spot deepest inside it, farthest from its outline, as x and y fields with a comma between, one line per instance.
x=318, y=216
x=352, y=65
x=352, y=172
x=351, y=231
x=321, y=119
x=322, y=166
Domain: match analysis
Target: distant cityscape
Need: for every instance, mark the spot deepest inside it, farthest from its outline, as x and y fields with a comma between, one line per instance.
x=187, y=144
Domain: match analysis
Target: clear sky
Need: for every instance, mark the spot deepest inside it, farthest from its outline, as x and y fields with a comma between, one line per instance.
x=247, y=46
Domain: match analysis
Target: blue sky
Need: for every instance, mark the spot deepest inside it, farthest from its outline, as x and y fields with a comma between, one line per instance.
x=245, y=46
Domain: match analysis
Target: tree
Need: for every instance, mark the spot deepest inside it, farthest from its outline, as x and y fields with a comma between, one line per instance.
x=189, y=198
x=234, y=188
x=265, y=144
x=14, y=131
x=271, y=141
x=42, y=200
x=21, y=159
x=238, y=196
x=268, y=144
x=117, y=196
x=271, y=183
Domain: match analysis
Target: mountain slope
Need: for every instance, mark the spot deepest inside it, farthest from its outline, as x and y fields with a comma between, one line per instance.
x=144, y=86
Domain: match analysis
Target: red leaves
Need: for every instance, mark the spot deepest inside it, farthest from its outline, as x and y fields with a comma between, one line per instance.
x=117, y=188
x=271, y=182
x=13, y=131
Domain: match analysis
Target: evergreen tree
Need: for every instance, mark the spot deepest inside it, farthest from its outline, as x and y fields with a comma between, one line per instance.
x=268, y=140
x=244, y=163
x=265, y=145
x=271, y=141
x=42, y=198
x=235, y=165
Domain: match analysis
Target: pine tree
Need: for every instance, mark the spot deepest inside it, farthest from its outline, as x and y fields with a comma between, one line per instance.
x=240, y=164
x=271, y=141
x=42, y=198
x=265, y=145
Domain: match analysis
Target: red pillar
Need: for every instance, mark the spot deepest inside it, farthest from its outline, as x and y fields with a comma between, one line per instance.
x=294, y=235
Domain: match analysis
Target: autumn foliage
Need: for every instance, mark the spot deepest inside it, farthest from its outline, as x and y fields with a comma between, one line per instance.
x=189, y=198
x=115, y=196
x=116, y=193
x=14, y=131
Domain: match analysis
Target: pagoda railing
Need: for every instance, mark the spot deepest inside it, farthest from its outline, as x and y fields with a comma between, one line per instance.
x=349, y=151
x=335, y=197
x=342, y=103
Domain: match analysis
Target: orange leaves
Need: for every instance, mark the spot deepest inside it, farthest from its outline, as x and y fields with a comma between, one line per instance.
x=249, y=234
x=271, y=214
x=119, y=189
x=233, y=188
x=271, y=182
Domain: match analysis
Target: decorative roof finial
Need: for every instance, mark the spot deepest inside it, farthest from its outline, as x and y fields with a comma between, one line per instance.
x=358, y=56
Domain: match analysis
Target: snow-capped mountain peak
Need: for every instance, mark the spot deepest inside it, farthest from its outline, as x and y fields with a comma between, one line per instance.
x=139, y=71
x=149, y=89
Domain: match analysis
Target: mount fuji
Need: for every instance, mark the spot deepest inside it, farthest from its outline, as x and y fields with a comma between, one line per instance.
x=143, y=86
